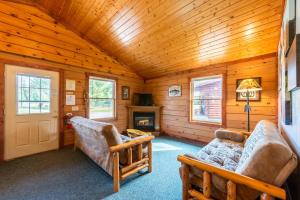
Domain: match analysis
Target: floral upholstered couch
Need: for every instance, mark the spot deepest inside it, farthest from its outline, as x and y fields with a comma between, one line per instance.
x=264, y=156
x=94, y=140
x=119, y=155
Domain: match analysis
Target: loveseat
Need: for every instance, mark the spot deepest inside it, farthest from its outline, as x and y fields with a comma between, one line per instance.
x=239, y=165
x=120, y=156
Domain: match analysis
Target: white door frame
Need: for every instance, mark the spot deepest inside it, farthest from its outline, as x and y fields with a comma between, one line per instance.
x=60, y=99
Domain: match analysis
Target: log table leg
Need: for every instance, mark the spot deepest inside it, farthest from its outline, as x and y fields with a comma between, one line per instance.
x=185, y=182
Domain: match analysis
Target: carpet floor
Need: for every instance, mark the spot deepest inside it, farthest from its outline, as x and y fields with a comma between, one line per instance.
x=69, y=175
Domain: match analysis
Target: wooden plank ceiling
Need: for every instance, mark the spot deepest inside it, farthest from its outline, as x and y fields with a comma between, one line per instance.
x=157, y=37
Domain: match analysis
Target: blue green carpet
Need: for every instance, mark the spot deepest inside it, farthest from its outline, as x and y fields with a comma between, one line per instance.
x=69, y=175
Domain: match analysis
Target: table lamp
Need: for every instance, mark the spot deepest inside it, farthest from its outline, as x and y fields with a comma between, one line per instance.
x=247, y=86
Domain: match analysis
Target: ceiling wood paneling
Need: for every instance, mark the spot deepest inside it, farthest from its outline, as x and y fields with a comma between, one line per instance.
x=30, y=33
x=157, y=37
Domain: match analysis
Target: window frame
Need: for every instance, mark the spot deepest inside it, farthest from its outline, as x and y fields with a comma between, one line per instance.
x=223, y=101
x=87, y=96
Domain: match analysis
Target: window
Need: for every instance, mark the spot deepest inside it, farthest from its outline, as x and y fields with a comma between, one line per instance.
x=101, y=98
x=33, y=94
x=206, y=99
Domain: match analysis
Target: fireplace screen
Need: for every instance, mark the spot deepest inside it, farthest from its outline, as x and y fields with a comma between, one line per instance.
x=144, y=121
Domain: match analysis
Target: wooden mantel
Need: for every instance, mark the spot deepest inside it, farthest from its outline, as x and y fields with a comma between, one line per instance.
x=155, y=109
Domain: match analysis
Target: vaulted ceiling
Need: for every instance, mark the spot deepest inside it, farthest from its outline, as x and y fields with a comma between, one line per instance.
x=157, y=37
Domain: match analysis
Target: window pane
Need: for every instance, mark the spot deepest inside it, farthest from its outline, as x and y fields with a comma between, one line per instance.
x=35, y=94
x=207, y=88
x=35, y=82
x=45, y=95
x=207, y=110
x=35, y=107
x=23, y=107
x=19, y=80
x=24, y=81
x=19, y=96
x=45, y=83
x=24, y=94
x=101, y=108
x=101, y=88
x=45, y=107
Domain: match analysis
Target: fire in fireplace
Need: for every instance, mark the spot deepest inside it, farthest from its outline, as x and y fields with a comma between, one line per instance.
x=144, y=121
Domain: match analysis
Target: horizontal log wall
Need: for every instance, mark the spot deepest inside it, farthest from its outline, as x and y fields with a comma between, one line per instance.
x=29, y=37
x=175, y=119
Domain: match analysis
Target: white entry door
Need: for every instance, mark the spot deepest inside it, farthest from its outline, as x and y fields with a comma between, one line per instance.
x=31, y=111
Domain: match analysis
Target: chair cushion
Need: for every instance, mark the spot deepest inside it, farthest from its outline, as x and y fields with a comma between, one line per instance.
x=123, y=159
x=111, y=135
x=221, y=153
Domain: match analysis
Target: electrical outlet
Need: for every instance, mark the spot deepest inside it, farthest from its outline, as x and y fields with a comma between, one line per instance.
x=75, y=108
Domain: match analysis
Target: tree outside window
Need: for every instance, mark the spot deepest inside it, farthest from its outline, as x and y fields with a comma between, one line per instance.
x=101, y=98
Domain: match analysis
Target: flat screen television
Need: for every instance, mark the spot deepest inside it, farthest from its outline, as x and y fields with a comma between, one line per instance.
x=142, y=99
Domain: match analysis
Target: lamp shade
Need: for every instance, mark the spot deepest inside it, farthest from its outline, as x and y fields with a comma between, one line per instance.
x=248, y=85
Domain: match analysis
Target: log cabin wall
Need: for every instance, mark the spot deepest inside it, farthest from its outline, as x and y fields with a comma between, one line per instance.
x=29, y=37
x=175, y=113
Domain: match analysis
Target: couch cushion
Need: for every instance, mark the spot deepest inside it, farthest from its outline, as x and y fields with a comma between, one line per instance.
x=111, y=135
x=266, y=154
x=229, y=135
x=123, y=153
x=221, y=153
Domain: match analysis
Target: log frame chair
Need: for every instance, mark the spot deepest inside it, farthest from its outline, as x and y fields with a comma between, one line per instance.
x=268, y=191
x=120, y=173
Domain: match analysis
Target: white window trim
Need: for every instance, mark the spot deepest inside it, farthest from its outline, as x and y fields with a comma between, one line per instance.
x=192, y=96
x=114, y=81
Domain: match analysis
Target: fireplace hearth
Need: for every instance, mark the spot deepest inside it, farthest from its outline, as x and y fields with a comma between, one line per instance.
x=144, y=121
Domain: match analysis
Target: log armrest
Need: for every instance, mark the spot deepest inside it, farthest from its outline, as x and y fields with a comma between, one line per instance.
x=246, y=133
x=133, y=142
x=233, y=178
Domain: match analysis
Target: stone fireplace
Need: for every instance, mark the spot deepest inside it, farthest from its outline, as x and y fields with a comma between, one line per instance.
x=145, y=118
